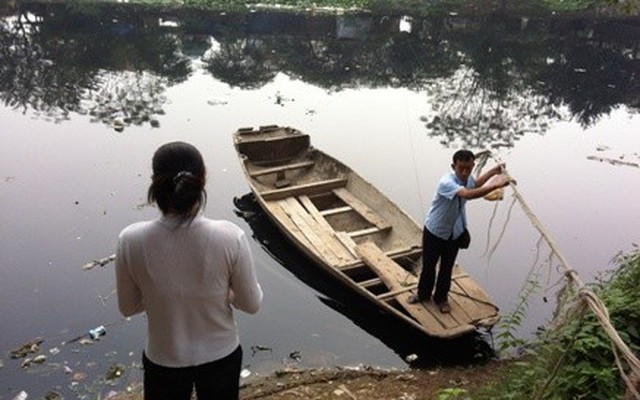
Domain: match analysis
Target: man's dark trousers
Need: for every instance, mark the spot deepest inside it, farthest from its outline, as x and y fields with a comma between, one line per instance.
x=434, y=249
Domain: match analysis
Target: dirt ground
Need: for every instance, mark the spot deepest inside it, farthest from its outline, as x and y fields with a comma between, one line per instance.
x=365, y=384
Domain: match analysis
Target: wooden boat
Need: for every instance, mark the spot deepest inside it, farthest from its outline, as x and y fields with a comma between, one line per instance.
x=349, y=228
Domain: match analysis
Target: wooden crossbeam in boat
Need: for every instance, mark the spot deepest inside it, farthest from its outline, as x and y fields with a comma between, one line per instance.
x=311, y=209
x=394, y=293
x=395, y=254
x=318, y=232
x=369, y=283
x=362, y=209
x=364, y=232
x=337, y=210
x=345, y=253
x=377, y=281
x=342, y=237
x=281, y=168
x=306, y=189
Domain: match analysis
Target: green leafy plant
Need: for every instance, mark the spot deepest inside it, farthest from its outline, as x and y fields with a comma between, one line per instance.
x=575, y=360
x=452, y=393
x=507, y=339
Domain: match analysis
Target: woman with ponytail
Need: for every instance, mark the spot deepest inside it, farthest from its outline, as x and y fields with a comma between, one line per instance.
x=187, y=273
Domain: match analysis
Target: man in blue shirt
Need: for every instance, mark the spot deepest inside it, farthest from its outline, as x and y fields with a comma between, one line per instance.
x=446, y=221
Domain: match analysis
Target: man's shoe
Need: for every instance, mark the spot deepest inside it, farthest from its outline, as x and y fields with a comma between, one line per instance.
x=444, y=307
x=414, y=299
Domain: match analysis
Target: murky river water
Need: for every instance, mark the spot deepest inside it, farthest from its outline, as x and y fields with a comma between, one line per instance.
x=89, y=95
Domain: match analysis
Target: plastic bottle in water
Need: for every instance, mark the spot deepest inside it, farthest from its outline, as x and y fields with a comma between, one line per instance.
x=97, y=332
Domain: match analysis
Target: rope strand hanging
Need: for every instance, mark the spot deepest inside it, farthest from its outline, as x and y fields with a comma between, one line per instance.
x=586, y=295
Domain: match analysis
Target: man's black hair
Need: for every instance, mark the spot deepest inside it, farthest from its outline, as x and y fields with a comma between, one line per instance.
x=463, y=155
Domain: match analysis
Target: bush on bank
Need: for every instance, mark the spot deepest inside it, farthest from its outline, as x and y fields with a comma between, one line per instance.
x=576, y=360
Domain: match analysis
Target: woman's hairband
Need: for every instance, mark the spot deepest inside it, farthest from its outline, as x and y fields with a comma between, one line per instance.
x=180, y=175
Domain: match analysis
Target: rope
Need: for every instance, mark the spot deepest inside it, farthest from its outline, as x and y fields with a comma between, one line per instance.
x=473, y=298
x=413, y=157
x=586, y=295
x=504, y=229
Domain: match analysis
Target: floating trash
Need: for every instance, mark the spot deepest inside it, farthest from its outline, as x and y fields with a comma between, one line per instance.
x=39, y=359
x=295, y=355
x=99, y=263
x=217, y=102
x=54, y=351
x=32, y=346
x=86, y=341
x=245, y=373
x=258, y=347
x=118, y=125
x=411, y=358
x=97, y=332
x=115, y=371
x=78, y=376
x=406, y=377
x=21, y=396
x=53, y=395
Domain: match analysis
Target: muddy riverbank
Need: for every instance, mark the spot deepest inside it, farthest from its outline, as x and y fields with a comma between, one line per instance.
x=368, y=383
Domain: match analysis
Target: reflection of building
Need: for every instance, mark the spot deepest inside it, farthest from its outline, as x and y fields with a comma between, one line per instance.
x=353, y=26
x=361, y=26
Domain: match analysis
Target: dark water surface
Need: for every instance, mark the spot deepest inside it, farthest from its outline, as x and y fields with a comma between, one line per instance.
x=88, y=94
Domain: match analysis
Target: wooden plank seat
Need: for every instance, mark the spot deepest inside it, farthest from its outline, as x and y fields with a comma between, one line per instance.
x=362, y=209
x=282, y=168
x=304, y=189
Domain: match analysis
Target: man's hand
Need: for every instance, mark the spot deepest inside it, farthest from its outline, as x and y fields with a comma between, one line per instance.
x=495, y=170
x=502, y=180
x=498, y=169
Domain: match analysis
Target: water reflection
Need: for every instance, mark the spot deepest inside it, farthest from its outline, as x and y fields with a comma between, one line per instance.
x=395, y=334
x=490, y=79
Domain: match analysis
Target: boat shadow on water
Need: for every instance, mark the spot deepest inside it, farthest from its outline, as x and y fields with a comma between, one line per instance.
x=412, y=345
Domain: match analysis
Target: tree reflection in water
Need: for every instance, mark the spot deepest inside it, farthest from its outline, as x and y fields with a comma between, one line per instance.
x=488, y=79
